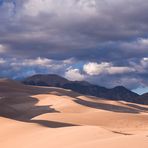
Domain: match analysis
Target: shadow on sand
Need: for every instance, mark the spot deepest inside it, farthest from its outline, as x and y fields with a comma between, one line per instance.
x=18, y=104
x=24, y=109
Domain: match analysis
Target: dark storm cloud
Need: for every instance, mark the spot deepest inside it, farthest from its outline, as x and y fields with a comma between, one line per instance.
x=87, y=30
x=84, y=28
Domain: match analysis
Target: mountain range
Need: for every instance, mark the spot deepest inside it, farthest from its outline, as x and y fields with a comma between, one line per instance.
x=84, y=87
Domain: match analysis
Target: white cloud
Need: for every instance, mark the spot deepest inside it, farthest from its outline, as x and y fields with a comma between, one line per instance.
x=18, y=68
x=74, y=75
x=143, y=41
x=95, y=68
x=69, y=61
x=119, y=70
x=105, y=67
x=38, y=61
x=43, y=62
x=144, y=61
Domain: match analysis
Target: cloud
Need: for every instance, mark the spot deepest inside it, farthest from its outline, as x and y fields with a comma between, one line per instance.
x=120, y=70
x=20, y=68
x=137, y=46
x=34, y=8
x=95, y=68
x=105, y=68
x=2, y=61
x=107, y=37
x=74, y=27
x=43, y=62
x=2, y=48
x=74, y=75
x=104, y=73
x=144, y=62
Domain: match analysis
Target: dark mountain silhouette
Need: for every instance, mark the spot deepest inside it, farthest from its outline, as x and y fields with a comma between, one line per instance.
x=143, y=99
x=46, y=80
x=117, y=93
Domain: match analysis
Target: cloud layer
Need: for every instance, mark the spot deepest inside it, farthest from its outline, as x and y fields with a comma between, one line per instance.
x=99, y=39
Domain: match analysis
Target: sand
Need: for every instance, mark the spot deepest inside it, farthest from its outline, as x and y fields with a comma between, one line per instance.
x=35, y=117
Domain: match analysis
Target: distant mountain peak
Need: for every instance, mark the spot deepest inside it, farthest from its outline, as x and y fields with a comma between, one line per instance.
x=45, y=80
x=83, y=87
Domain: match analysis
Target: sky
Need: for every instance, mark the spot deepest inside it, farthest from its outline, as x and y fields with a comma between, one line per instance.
x=104, y=42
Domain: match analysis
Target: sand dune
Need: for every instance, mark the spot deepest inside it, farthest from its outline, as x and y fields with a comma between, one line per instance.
x=53, y=117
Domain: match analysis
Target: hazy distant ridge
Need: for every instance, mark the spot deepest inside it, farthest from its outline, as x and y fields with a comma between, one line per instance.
x=117, y=93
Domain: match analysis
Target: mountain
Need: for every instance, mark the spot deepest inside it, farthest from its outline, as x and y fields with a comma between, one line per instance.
x=122, y=93
x=117, y=93
x=46, y=80
x=143, y=99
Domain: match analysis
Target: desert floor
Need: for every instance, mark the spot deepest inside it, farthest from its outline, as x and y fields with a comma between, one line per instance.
x=42, y=117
